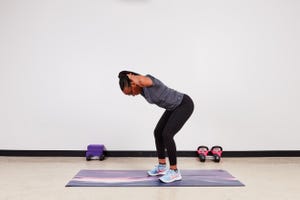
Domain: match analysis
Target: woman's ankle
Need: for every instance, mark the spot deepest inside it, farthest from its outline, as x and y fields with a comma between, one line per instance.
x=173, y=167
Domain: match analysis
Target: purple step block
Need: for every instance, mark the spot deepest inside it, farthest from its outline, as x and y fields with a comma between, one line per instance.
x=95, y=150
x=91, y=154
x=95, y=147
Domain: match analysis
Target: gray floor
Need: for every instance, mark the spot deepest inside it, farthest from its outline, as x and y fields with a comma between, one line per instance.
x=45, y=178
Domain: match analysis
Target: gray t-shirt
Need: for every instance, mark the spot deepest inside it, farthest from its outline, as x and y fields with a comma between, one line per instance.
x=161, y=95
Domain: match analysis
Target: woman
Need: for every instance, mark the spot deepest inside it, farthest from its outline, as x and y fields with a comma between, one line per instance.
x=178, y=108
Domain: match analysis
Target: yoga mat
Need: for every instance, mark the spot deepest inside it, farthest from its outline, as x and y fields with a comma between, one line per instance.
x=139, y=178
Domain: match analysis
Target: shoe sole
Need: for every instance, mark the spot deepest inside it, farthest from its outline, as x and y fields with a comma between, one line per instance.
x=159, y=174
x=176, y=179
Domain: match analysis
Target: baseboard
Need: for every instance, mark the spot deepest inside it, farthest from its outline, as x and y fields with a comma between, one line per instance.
x=81, y=153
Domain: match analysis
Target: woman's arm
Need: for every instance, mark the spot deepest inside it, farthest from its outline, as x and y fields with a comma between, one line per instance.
x=142, y=81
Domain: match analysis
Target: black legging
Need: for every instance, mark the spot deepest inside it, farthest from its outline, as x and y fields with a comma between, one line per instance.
x=168, y=125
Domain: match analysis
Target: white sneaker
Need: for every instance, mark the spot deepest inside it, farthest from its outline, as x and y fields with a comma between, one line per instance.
x=171, y=176
x=158, y=170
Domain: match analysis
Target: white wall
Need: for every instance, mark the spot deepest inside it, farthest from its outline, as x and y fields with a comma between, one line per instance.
x=238, y=60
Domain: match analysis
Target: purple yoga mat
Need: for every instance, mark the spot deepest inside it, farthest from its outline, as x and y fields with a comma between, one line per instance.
x=139, y=178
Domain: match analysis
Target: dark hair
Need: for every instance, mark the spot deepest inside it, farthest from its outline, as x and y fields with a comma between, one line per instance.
x=124, y=81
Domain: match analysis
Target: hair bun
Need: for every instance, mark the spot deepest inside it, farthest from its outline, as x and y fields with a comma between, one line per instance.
x=123, y=73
